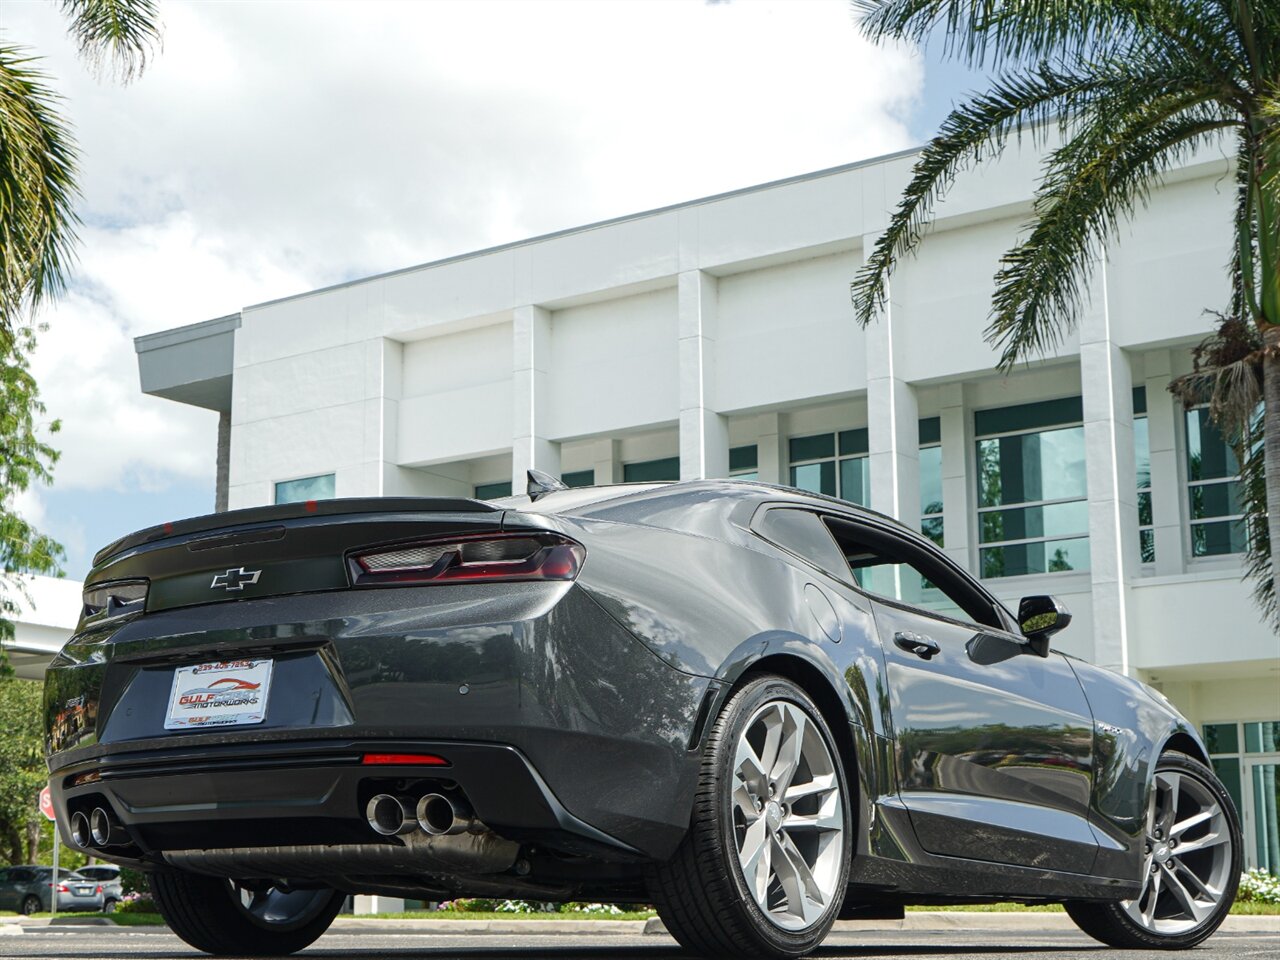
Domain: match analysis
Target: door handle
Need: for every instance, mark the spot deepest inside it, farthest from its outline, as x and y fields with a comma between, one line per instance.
x=922, y=646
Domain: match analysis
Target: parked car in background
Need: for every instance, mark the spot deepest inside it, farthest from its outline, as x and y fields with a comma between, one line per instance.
x=29, y=890
x=107, y=874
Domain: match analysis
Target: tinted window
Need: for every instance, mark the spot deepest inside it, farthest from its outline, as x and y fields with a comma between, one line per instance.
x=306, y=488
x=895, y=569
x=804, y=534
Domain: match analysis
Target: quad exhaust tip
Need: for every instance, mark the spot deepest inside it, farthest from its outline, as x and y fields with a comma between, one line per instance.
x=387, y=815
x=80, y=833
x=443, y=816
x=104, y=829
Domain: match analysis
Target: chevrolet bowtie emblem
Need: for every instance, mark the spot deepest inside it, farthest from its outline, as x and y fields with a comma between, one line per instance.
x=235, y=579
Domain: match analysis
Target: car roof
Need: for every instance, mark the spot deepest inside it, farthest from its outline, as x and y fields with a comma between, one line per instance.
x=577, y=498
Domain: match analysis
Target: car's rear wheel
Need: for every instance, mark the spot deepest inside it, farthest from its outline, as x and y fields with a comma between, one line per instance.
x=1190, y=869
x=763, y=869
x=109, y=905
x=225, y=917
x=30, y=905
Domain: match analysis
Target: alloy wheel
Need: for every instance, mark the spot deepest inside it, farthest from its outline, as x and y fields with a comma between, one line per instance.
x=788, y=816
x=269, y=906
x=1187, y=867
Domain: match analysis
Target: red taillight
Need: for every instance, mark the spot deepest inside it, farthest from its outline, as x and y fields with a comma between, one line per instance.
x=63, y=888
x=513, y=557
x=403, y=760
x=99, y=888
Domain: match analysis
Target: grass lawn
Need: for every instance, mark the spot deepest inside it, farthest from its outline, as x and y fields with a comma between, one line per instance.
x=1250, y=909
x=121, y=919
x=463, y=915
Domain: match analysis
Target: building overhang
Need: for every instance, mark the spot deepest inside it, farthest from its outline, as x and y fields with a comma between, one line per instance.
x=191, y=364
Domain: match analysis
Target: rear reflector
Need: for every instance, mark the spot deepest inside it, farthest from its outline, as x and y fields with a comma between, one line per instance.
x=542, y=556
x=403, y=760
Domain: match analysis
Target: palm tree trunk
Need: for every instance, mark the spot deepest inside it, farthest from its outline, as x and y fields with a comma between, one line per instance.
x=1271, y=430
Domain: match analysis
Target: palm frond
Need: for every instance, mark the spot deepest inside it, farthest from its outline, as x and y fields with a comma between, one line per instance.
x=1091, y=183
x=973, y=132
x=115, y=36
x=37, y=190
x=997, y=33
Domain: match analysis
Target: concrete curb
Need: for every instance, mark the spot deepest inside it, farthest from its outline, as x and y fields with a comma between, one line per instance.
x=503, y=927
x=1021, y=922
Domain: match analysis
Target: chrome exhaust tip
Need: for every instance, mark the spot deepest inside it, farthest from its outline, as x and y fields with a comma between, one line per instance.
x=105, y=829
x=387, y=816
x=80, y=834
x=443, y=816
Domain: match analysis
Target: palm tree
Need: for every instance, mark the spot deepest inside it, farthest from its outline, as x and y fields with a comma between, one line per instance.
x=1131, y=88
x=38, y=156
x=37, y=243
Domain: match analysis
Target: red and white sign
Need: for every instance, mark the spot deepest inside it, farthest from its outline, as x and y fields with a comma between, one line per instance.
x=46, y=804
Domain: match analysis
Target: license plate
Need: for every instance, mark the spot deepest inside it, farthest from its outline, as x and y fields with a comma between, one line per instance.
x=227, y=693
x=84, y=891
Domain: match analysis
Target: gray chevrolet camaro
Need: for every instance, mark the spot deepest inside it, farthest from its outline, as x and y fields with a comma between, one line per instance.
x=760, y=709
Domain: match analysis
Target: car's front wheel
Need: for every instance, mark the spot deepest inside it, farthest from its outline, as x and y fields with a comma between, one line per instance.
x=224, y=917
x=763, y=869
x=1191, y=865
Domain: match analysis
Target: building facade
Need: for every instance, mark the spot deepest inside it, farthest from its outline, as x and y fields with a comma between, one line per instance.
x=716, y=338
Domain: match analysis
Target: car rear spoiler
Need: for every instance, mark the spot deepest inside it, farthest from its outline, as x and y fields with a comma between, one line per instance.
x=289, y=511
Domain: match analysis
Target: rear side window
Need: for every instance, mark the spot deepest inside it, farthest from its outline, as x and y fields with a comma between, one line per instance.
x=897, y=570
x=802, y=532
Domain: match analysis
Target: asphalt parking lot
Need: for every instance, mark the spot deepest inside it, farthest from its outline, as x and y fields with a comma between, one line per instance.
x=117, y=944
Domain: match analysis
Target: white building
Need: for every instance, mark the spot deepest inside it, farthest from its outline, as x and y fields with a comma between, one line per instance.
x=716, y=337
x=47, y=611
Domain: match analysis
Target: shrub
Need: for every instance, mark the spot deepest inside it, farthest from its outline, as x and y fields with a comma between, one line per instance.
x=1258, y=886
x=133, y=881
x=137, y=903
x=611, y=909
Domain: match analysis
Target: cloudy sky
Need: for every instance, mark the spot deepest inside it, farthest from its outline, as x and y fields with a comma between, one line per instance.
x=273, y=147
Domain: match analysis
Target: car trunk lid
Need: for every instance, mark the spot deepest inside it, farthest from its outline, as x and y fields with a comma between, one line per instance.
x=280, y=550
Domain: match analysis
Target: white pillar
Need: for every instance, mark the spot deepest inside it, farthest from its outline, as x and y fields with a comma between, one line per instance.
x=704, y=433
x=1107, y=387
x=958, y=495
x=606, y=461
x=771, y=449
x=1166, y=475
x=531, y=351
x=375, y=904
x=893, y=425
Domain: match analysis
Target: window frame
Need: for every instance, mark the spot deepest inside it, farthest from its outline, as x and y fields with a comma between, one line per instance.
x=942, y=512
x=1187, y=486
x=836, y=459
x=979, y=510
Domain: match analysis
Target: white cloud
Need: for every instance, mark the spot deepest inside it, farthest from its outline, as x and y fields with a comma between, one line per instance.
x=274, y=147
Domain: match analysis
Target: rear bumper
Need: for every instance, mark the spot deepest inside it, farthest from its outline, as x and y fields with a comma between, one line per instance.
x=313, y=793
x=572, y=706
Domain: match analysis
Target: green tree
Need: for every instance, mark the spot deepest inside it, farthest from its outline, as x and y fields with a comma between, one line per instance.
x=22, y=771
x=37, y=241
x=1131, y=88
x=24, y=459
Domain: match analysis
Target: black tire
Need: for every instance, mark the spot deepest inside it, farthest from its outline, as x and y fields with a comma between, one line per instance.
x=700, y=892
x=208, y=914
x=109, y=905
x=1111, y=924
x=30, y=905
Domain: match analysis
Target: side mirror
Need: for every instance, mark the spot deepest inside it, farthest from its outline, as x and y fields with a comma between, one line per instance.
x=1039, y=618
